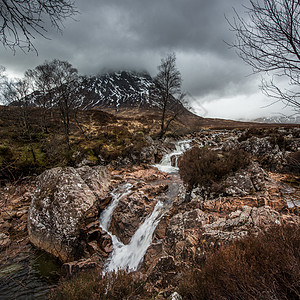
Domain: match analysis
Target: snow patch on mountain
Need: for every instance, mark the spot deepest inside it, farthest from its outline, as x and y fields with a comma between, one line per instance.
x=118, y=89
x=295, y=119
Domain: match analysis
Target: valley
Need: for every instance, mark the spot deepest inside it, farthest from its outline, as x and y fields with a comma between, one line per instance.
x=61, y=203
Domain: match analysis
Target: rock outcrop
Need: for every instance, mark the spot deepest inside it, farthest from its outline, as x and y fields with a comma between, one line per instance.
x=61, y=198
x=148, y=184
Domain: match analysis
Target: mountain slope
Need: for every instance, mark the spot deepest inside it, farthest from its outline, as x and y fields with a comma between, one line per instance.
x=119, y=89
x=295, y=119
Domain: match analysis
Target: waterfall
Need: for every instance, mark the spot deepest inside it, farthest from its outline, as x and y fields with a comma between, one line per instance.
x=165, y=164
x=130, y=255
x=117, y=194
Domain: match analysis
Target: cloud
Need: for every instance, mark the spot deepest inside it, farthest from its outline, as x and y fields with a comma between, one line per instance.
x=135, y=34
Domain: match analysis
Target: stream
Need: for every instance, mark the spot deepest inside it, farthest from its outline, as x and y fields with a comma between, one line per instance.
x=33, y=273
x=30, y=275
x=129, y=256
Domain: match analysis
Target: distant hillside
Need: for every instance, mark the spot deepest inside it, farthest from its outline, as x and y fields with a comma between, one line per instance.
x=279, y=119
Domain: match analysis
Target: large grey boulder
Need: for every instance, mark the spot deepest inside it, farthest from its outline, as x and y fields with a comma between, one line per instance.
x=61, y=198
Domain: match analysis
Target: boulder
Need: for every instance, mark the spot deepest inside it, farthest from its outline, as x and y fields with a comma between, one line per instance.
x=184, y=232
x=61, y=198
x=129, y=214
x=245, y=182
x=268, y=153
x=240, y=222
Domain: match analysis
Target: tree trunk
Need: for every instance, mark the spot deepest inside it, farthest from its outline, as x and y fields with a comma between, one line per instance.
x=163, y=117
x=80, y=127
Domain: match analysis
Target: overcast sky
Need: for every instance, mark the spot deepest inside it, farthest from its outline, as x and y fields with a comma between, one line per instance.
x=136, y=34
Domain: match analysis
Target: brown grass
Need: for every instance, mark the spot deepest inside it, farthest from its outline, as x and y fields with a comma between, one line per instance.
x=263, y=267
x=94, y=285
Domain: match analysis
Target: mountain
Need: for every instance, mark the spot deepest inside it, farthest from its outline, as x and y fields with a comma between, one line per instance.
x=118, y=89
x=295, y=119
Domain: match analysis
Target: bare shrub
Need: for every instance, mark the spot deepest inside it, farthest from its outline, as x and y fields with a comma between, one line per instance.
x=204, y=167
x=262, y=267
x=94, y=285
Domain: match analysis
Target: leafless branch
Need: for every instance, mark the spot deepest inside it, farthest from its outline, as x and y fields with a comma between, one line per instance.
x=21, y=21
x=268, y=39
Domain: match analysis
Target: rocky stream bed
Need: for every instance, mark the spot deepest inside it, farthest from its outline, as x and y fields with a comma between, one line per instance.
x=137, y=217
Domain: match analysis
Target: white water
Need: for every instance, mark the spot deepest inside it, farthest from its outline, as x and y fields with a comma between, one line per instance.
x=165, y=164
x=130, y=255
x=106, y=215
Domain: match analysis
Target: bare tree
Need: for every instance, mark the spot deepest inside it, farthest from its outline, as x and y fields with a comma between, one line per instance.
x=44, y=84
x=21, y=21
x=56, y=85
x=168, y=92
x=18, y=93
x=2, y=83
x=268, y=39
x=65, y=80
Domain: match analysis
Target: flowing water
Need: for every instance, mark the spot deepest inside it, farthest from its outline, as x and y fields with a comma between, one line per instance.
x=130, y=256
x=31, y=275
x=166, y=163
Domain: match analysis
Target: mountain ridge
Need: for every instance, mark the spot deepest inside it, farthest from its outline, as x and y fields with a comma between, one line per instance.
x=118, y=89
x=294, y=119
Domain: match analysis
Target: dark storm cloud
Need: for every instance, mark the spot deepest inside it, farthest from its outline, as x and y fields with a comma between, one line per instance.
x=135, y=34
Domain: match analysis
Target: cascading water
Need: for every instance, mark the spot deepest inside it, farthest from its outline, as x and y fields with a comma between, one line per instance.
x=166, y=163
x=130, y=255
x=119, y=193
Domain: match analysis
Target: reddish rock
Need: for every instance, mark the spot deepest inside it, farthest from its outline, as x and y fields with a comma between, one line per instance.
x=154, y=252
x=129, y=214
x=68, y=270
x=133, y=209
x=163, y=271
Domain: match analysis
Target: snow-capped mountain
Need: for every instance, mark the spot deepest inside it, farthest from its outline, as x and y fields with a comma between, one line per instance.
x=119, y=89
x=113, y=90
x=295, y=119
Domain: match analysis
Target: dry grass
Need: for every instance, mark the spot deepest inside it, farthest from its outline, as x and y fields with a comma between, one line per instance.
x=93, y=285
x=264, y=267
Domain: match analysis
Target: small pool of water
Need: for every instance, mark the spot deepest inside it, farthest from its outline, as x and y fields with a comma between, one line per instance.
x=29, y=276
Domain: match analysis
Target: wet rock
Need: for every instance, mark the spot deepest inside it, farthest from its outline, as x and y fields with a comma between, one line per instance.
x=68, y=270
x=163, y=271
x=61, y=198
x=130, y=213
x=147, y=186
x=239, y=223
x=154, y=252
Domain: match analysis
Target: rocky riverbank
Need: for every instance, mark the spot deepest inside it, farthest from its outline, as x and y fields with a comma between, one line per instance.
x=61, y=207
